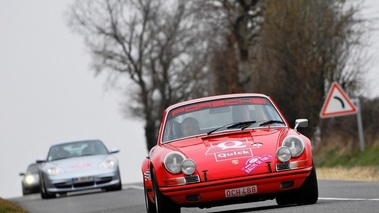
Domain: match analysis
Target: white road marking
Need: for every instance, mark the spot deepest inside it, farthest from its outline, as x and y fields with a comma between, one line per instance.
x=348, y=199
x=320, y=198
x=132, y=187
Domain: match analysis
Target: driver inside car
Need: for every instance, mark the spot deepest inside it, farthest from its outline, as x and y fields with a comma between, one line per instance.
x=240, y=113
x=190, y=126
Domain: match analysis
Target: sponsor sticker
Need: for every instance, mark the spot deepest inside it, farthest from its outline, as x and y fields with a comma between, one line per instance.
x=233, y=154
x=255, y=162
x=80, y=165
x=230, y=150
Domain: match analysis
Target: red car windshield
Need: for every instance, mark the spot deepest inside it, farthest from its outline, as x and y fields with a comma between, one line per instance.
x=204, y=117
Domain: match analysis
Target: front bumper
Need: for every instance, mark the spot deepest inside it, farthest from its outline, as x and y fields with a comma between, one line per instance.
x=98, y=181
x=29, y=189
x=204, y=194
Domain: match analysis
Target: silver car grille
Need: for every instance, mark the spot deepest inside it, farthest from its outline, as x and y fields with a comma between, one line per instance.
x=66, y=185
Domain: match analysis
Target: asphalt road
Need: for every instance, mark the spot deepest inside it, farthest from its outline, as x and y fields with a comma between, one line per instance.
x=334, y=196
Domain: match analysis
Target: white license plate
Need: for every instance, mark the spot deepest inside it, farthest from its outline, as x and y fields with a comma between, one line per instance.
x=243, y=191
x=82, y=179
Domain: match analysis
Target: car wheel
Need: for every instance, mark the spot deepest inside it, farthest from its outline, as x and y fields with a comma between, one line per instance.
x=308, y=193
x=286, y=198
x=116, y=187
x=62, y=194
x=162, y=203
x=24, y=191
x=150, y=206
x=42, y=189
x=44, y=193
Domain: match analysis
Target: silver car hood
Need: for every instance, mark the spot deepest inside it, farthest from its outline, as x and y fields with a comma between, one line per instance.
x=79, y=163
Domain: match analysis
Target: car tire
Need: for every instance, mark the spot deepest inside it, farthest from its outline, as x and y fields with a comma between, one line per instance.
x=44, y=193
x=162, y=203
x=62, y=194
x=286, y=198
x=117, y=187
x=42, y=189
x=308, y=193
x=150, y=206
x=24, y=191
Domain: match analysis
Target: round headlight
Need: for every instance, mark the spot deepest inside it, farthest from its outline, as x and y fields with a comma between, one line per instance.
x=283, y=154
x=29, y=179
x=108, y=164
x=54, y=171
x=188, y=166
x=173, y=162
x=295, y=144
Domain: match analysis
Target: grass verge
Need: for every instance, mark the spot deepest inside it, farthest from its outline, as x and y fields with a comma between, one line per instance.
x=7, y=207
x=341, y=159
x=360, y=173
x=347, y=155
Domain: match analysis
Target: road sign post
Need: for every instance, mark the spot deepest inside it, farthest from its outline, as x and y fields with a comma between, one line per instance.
x=337, y=103
x=360, y=126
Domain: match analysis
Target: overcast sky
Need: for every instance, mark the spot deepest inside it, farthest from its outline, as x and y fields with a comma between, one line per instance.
x=48, y=92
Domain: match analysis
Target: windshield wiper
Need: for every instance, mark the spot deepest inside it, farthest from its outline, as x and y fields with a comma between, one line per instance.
x=271, y=122
x=214, y=130
x=243, y=125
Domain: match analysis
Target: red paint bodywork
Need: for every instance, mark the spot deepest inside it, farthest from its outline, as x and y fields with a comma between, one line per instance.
x=230, y=168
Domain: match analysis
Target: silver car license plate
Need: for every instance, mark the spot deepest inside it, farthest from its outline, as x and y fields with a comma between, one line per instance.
x=82, y=179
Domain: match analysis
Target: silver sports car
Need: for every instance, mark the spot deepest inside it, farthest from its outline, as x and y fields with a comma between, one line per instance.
x=78, y=165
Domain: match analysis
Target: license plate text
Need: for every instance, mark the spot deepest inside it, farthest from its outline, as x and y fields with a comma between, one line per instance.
x=243, y=191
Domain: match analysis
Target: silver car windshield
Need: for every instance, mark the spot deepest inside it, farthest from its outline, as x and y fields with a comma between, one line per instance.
x=76, y=149
x=220, y=115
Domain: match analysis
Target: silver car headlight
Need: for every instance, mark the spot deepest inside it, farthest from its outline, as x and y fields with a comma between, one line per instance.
x=188, y=166
x=283, y=154
x=295, y=144
x=54, y=171
x=173, y=162
x=108, y=164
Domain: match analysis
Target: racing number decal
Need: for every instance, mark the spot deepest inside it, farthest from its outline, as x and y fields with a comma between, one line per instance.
x=229, y=150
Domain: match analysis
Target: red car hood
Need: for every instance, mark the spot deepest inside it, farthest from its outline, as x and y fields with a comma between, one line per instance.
x=232, y=155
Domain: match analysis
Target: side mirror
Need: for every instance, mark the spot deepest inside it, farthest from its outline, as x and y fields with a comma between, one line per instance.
x=114, y=150
x=300, y=123
x=40, y=160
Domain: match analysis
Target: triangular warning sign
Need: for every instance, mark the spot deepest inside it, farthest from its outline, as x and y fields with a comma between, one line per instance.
x=337, y=103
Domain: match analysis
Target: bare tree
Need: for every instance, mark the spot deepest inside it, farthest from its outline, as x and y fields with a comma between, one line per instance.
x=235, y=26
x=304, y=47
x=156, y=43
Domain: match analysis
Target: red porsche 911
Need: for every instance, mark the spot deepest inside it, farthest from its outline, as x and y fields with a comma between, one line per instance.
x=228, y=149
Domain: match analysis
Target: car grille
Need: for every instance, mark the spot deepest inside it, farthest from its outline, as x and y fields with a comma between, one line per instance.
x=67, y=185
